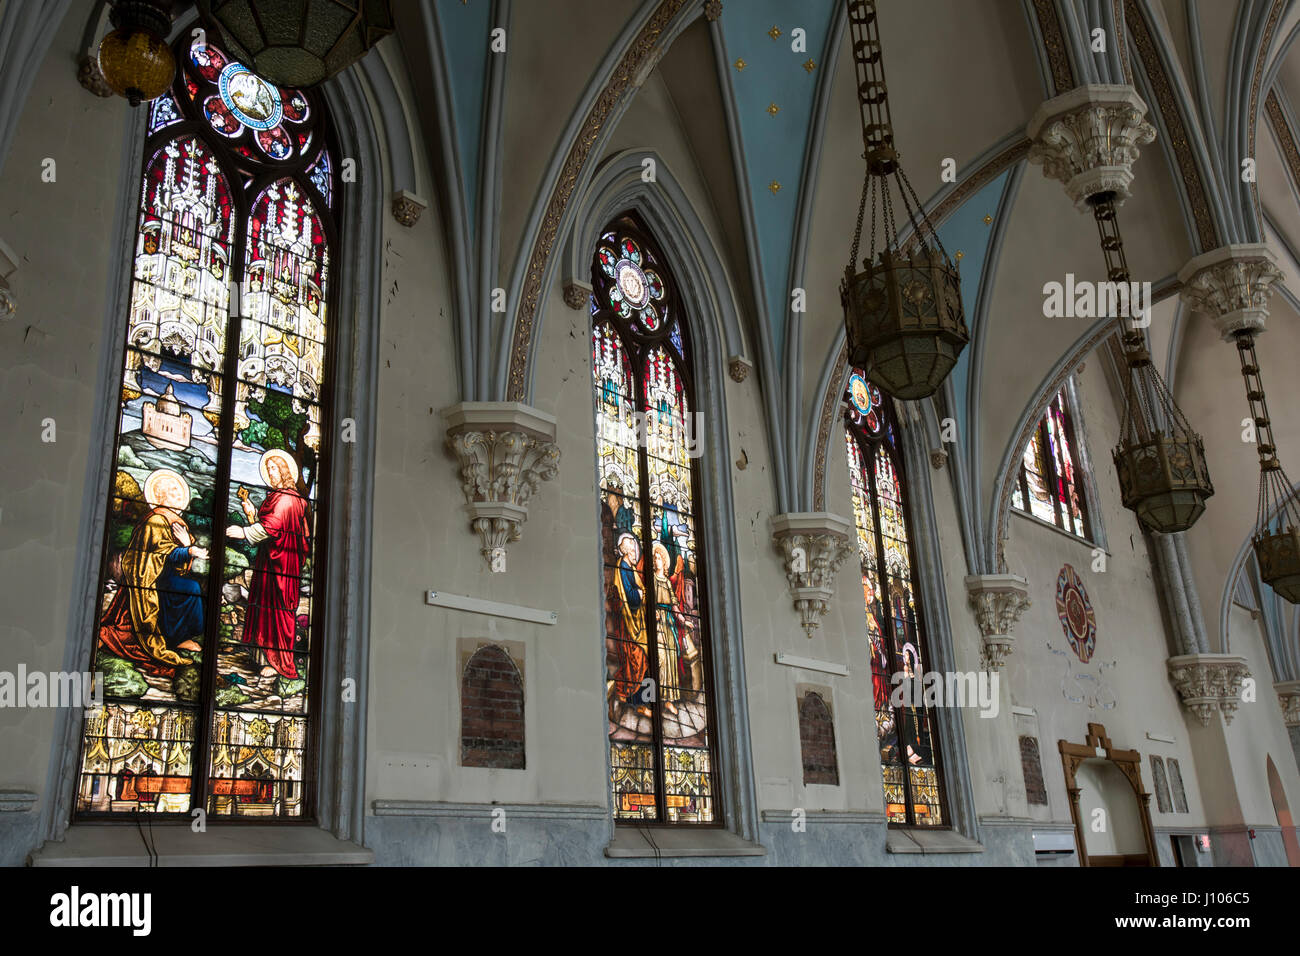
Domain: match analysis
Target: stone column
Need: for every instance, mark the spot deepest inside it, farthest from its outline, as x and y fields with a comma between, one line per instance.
x=506, y=450
x=998, y=601
x=814, y=545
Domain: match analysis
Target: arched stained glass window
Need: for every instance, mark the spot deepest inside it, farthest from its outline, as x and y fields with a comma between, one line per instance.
x=208, y=608
x=909, y=754
x=1048, y=486
x=658, y=687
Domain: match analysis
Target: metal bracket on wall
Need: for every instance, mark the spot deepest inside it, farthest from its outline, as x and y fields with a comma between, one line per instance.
x=460, y=602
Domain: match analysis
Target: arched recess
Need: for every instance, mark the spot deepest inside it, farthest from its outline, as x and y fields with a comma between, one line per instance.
x=696, y=265
x=1060, y=376
x=918, y=430
x=1129, y=762
x=1282, y=810
x=345, y=655
x=1243, y=563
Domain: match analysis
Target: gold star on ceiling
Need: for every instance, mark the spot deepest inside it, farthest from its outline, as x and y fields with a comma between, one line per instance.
x=960, y=254
x=773, y=109
x=987, y=220
x=774, y=186
x=810, y=65
x=774, y=33
x=740, y=64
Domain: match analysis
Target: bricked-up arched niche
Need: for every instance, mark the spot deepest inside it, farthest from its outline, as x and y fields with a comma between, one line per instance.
x=491, y=711
x=1095, y=765
x=817, y=740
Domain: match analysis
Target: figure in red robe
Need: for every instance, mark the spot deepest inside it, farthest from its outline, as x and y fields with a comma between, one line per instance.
x=280, y=530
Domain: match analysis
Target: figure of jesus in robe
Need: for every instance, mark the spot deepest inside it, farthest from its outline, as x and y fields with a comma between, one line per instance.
x=280, y=530
x=157, y=609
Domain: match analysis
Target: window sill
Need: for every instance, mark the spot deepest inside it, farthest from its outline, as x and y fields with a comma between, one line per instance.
x=634, y=842
x=121, y=845
x=1069, y=535
x=929, y=841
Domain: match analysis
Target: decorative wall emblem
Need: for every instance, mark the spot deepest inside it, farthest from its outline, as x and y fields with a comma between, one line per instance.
x=1076, y=614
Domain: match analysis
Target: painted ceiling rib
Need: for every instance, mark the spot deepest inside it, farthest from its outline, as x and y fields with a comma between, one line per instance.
x=768, y=370
x=453, y=194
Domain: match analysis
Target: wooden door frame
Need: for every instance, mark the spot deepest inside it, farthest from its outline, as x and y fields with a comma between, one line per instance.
x=1098, y=746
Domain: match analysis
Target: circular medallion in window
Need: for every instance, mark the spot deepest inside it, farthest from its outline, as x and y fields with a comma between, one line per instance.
x=252, y=100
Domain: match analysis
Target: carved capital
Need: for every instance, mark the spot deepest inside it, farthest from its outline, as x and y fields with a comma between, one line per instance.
x=89, y=76
x=998, y=601
x=1232, y=285
x=938, y=457
x=1208, y=683
x=1088, y=139
x=814, y=545
x=407, y=207
x=1288, y=698
x=577, y=294
x=712, y=9
x=506, y=450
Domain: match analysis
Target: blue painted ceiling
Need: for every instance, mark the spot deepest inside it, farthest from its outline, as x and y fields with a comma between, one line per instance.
x=772, y=144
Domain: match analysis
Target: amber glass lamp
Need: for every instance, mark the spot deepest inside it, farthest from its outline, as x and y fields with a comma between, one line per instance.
x=134, y=58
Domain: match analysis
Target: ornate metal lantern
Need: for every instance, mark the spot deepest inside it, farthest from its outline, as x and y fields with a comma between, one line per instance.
x=135, y=58
x=902, y=312
x=299, y=42
x=1277, y=518
x=1160, y=460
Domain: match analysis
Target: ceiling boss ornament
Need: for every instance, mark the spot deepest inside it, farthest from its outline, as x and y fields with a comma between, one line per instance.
x=903, y=311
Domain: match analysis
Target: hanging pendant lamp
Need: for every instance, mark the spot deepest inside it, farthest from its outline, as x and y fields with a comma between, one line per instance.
x=902, y=313
x=1277, y=517
x=135, y=58
x=1160, y=460
x=299, y=43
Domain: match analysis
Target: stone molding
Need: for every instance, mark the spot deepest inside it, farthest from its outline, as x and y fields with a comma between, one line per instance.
x=998, y=601
x=1088, y=138
x=814, y=545
x=1208, y=683
x=506, y=450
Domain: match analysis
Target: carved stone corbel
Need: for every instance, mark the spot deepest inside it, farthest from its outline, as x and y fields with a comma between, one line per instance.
x=1208, y=683
x=506, y=450
x=1288, y=698
x=407, y=207
x=1232, y=285
x=814, y=545
x=577, y=294
x=998, y=601
x=8, y=265
x=1088, y=138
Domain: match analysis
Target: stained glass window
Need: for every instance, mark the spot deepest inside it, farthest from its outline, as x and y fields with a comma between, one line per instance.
x=909, y=753
x=662, y=756
x=208, y=608
x=1048, y=486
